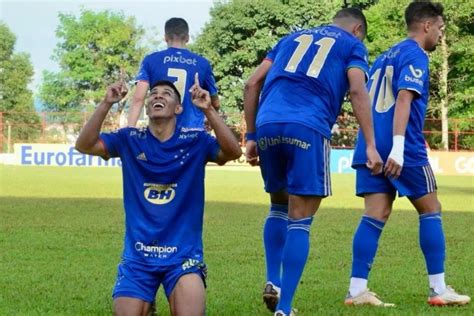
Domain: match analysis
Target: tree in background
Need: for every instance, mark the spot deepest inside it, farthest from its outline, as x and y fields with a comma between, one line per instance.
x=92, y=51
x=240, y=33
x=16, y=72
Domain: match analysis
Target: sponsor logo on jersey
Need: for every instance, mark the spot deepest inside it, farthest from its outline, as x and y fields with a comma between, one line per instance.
x=159, y=193
x=324, y=31
x=190, y=135
x=391, y=54
x=265, y=142
x=155, y=250
x=179, y=60
x=414, y=80
x=417, y=73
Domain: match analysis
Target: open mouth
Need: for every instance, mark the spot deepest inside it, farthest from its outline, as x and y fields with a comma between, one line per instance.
x=158, y=106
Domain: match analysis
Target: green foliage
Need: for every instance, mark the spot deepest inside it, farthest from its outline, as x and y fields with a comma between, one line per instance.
x=16, y=99
x=240, y=34
x=93, y=49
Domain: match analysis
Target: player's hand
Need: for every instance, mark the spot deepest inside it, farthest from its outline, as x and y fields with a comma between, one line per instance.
x=392, y=168
x=200, y=97
x=374, y=162
x=115, y=92
x=251, y=152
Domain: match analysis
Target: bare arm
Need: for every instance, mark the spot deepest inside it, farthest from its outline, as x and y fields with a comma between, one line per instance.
x=137, y=102
x=394, y=164
x=229, y=146
x=253, y=86
x=88, y=141
x=216, y=103
x=360, y=101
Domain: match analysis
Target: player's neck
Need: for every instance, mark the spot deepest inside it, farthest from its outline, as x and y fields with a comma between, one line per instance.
x=417, y=38
x=176, y=44
x=162, y=129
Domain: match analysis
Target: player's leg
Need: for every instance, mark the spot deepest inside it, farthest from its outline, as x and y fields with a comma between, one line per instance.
x=129, y=306
x=273, y=169
x=296, y=250
x=135, y=289
x=308, y=178
x=378, y=196
x=420, y=186
x=274, y=237
x=188, y=297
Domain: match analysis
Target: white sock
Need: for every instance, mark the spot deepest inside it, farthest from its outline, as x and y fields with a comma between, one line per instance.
x=437, y=282
x=357, y=286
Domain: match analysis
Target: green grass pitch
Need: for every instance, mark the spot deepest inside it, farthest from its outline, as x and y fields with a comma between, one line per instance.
x=61, y=232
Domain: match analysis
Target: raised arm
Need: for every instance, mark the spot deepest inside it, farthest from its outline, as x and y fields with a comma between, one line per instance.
x=360, y=101
x=88, y=141
x=253, y=86
x=138, y=100
x=229, y=146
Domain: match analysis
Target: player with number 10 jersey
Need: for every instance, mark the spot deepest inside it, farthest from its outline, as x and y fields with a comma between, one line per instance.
x=405, y=66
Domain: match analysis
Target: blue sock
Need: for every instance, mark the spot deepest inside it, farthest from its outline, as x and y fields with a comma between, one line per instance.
x=432, y=242
x=274, y=236
x=364, y=246
x=294, y=259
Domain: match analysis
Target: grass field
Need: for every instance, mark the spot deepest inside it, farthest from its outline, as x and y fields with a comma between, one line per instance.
x=61, y=238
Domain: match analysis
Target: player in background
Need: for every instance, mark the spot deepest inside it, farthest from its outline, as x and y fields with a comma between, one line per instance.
x=163, y=184
x=304, y=79
x=398, y=87
x=178, y=65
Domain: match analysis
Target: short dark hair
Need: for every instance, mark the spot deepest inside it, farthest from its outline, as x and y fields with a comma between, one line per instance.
x=353, y=13
x=417, y=11
x=169, y=84
x=177, y=28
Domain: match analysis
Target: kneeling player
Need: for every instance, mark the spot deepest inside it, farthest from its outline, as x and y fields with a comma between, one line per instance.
x=163, y=169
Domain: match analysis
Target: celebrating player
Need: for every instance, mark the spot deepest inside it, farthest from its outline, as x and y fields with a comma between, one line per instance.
x=163, y=184
x=398, y=86
x=176, y=64
x=306, y=76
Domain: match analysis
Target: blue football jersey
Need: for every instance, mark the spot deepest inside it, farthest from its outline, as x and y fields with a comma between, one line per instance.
x=179, y=66
x=405, y=66
x=163, y=192
x=307, y=81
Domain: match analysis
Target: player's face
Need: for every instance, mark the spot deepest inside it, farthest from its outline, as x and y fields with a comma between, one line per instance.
x=163, y=103
x=434, y=31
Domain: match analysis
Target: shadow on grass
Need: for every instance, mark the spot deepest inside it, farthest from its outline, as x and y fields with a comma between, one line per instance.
x=59, y=256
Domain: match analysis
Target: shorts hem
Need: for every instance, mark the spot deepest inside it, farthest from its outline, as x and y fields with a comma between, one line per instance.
x=131, y=295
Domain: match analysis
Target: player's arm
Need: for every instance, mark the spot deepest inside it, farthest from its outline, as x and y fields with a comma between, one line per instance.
x=138, y=100
x=88, y=141
x=360, y=101
x=253, y=86
x=215, y=102
x=229, y=146
x=394, y=164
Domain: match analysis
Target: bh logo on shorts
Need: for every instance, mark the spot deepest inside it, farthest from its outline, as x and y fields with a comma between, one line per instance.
x=159, y=193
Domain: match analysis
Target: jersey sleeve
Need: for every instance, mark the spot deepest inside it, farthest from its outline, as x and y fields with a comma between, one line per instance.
x=211, y=146
x=210, y=82
x=143, y=73
x=358, y=59
x=271, y=55
x=414, y=71
x=113, y=142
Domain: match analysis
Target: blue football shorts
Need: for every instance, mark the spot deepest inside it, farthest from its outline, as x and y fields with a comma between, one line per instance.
x=294, y=158
x=141, y=281
x=414, y=182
